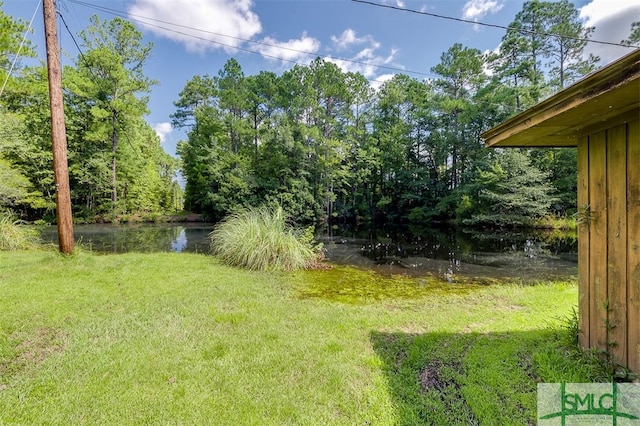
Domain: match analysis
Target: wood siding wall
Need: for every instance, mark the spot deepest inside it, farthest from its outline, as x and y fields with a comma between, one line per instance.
x=609, y=242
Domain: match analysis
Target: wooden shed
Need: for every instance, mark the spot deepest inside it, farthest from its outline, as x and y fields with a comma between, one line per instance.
x=600, y=115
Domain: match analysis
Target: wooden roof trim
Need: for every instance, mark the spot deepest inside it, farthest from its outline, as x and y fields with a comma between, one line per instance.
x=615, y=75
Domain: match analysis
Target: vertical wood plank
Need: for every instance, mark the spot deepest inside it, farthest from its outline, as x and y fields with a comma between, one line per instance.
x=617, y=242
x=598, y=240
x=633, y=253
x=583, y=244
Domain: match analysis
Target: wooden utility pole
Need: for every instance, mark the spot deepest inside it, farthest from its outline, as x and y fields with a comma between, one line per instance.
x=58, y=131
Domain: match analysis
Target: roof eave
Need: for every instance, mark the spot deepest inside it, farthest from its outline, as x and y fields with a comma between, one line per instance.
x=610, y=92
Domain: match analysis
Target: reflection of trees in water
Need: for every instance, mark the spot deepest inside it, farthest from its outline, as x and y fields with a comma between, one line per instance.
x=453, y=251
x=458, y=244
x=125, y=238
x=531, y=243
x=415, y=250
x=140, y=238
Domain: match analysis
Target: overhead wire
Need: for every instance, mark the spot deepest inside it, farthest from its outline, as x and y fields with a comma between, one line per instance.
x=77, y=45
x=17, y=55
x=93, y=77
x=149, y=21
x=485, y=24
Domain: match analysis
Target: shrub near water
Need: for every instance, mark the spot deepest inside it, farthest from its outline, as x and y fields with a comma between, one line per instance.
x=261, y=239
x=14, y=236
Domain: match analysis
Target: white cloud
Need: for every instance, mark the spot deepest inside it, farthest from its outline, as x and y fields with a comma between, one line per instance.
x=349, y=38
x=478, y=9
x=612, y=20
x=162, y=130
x=380, y=80
x=291, y=50
x=599, y=10
x=365, y=59
x=366, y=62
x=200, y=25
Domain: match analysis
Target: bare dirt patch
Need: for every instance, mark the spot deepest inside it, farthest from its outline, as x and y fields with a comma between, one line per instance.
x=440, y=377
x=32, y=349
x=433, y=377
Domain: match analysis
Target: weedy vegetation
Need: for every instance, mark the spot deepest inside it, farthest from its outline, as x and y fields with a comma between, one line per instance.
x=16, y=236
x=262, y=239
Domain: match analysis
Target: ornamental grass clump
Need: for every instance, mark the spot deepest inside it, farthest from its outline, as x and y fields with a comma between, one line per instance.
x=15, y=236
x=262, y=239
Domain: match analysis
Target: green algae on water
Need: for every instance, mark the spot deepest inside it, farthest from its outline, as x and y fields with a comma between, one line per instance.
x=358, y=286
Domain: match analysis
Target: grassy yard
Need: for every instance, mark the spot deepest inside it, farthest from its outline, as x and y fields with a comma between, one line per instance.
x=180, y=339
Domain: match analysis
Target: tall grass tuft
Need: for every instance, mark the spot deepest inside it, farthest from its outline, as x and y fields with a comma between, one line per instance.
x=15, y=236
x=262, y=239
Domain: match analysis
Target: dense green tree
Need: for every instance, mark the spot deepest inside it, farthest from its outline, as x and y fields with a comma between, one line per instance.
x=281, y=175
x=27, y=142
x=461, y=72
x=516, y=64
x=16, y=190
x=546, y=37
x=508, y=192
x=565, y=48
x=261, y=91
x=109, y=87
x=199, y=92
x=326, y=102
x=325, y=145
x=355, y=200
x=390, y=137
x=216, y=178
x=462, y=76
x=234, y=104
x=14, y=187
x=146, y=171
x=106, y=134
x=560, y=165
x=522, y=51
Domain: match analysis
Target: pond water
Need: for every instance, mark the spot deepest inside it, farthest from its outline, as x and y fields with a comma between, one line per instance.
x=458, y=254
x=452, y=254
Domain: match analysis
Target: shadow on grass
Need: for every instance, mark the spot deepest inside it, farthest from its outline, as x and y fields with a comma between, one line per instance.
x=468, y=378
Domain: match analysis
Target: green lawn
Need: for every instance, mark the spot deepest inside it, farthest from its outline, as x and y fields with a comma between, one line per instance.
x=180, y=339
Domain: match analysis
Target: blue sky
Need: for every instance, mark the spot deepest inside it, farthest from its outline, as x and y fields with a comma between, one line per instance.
x=274, y=34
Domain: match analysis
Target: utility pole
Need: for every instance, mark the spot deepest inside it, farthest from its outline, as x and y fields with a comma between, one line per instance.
x=58, y=131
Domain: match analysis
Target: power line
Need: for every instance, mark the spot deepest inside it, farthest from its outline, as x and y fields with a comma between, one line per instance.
x=95, y=78
x=125, y=16
x=468, y=21
x=145, y=20
x=78, y=47
x=24, y=39
x=128, y=17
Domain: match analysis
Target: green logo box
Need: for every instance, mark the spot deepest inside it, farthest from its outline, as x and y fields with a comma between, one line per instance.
x=588, y=404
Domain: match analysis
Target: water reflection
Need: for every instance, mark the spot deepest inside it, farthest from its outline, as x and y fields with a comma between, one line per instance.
x=185, y=237
x=449, y=253
x=455, y=253
x=180, y=242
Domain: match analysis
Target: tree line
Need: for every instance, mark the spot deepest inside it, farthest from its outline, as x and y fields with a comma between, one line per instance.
x=327, y=146
x=319, y=141
x=116, y=163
